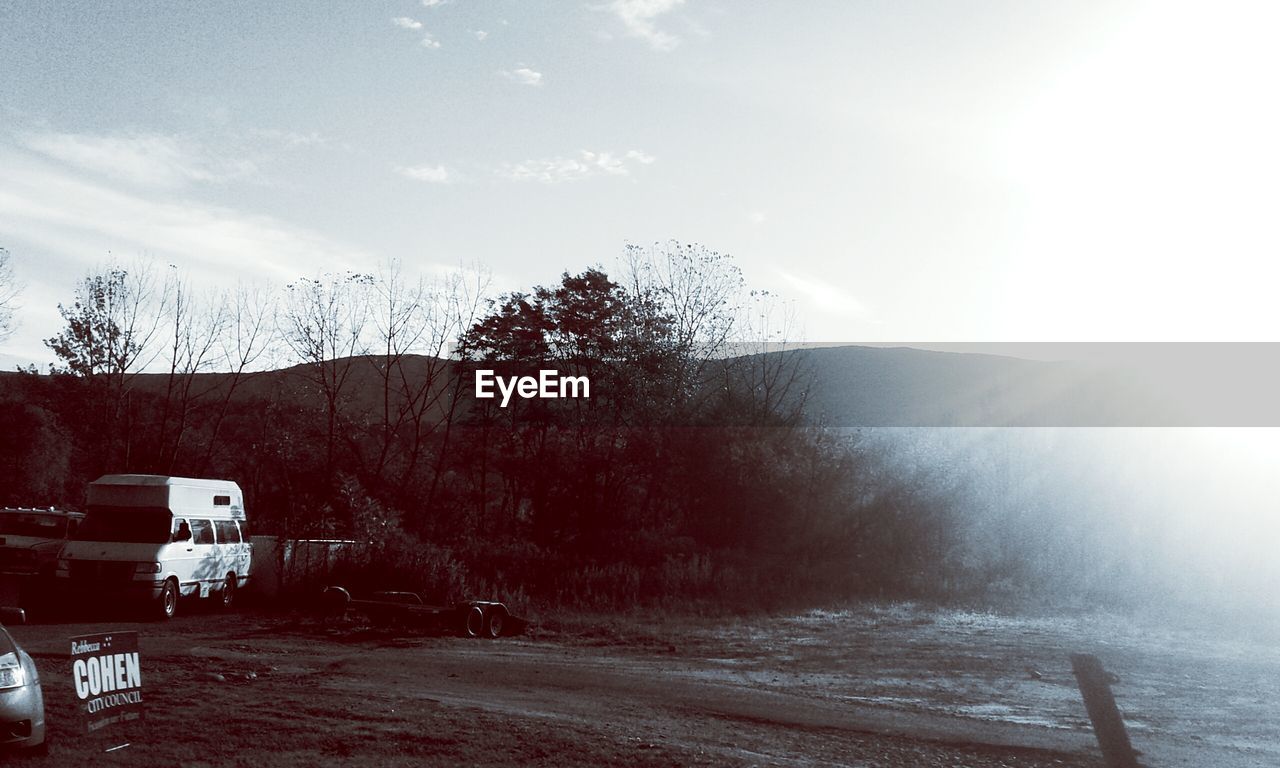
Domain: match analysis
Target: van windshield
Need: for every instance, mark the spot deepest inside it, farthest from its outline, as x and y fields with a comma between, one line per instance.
x=141, y=525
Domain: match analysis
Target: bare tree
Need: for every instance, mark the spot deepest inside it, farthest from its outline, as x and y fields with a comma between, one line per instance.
x=248, y=337
x=324, y=324
x=400, y=328
x=696, y=293
x=195, y=323
x=455, y=306
x=698, y=288
x=9, y=290
x=764, y=367
x=416, y=321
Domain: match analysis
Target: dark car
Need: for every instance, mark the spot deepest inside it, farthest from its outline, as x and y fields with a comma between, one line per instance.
x=21, y=700
x=31, y=538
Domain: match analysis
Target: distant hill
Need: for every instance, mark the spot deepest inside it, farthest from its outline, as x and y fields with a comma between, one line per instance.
x=850, y=386
x=900, y=386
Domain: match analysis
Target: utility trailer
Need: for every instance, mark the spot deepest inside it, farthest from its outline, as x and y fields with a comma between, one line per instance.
x=471, y=618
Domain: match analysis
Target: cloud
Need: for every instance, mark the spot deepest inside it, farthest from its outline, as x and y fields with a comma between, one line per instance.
x=40, y=198
x=824, y=295
x=639, y=17
x=146, y=159
x=292, y=139
x=523, y=75
x=435, y=174
x=479, y=34
x=585, y=165
x=76, y=220
x=434, y=3
x=413, y=25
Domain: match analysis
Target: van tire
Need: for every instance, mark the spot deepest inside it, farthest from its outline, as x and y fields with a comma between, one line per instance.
x=167, y=605
x=227, y=595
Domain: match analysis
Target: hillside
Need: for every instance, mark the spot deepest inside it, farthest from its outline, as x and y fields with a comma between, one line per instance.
x=845, y=386
x=904, y=387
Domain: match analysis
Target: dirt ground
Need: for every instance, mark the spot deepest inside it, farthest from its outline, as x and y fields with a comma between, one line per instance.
x=897, y=686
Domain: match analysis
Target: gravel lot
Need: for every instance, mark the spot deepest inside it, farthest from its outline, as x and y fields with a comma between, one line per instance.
x=872, y=687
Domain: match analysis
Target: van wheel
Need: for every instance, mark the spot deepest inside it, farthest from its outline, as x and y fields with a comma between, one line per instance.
x=168, y=603
x=228, y=591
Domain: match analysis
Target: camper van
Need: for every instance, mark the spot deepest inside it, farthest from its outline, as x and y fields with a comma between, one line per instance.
x=157, y=538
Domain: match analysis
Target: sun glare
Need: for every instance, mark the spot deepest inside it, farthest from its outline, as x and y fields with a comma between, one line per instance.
x=1149, y=167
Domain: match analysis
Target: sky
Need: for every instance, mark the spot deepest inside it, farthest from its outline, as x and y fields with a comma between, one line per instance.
x=898, y=170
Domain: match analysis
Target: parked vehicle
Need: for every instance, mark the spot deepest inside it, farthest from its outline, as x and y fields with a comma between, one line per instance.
x=472, y=618
x=158, y=538
x=21, y=698
x=30, y=539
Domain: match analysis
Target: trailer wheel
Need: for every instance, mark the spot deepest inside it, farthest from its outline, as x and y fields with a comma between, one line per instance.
x=333, y=603
x=473, y=623
x=495, y=622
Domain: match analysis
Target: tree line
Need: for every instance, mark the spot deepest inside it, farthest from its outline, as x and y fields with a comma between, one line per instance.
x=343, y=406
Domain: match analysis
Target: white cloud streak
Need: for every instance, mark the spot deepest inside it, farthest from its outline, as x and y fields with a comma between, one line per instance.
x=586, y=164
x=63, y=222
x=404, y=22
x=639, y=18
x=824, y=295
x=81, y=219
x=292, y=139
x=434, y=174
x=524, y=76
x=148, y=159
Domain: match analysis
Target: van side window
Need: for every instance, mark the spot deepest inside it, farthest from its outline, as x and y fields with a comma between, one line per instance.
x=221, y=501
x=201, y=531
x=227, y=532
x=181, y=530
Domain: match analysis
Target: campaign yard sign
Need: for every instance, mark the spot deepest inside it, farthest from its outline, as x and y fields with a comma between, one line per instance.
x=107, y=675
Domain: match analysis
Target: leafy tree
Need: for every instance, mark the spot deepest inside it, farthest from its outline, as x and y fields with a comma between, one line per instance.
x=579, y=327
x=106, y=344
x=595, y=476
x=109, y=326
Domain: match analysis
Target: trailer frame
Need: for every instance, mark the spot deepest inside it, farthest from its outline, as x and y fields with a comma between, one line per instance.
x=469, y=618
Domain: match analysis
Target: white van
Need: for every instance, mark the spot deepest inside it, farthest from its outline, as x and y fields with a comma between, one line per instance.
x=158, y=537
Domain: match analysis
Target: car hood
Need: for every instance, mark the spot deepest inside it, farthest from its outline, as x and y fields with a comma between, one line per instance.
x=28, y=542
